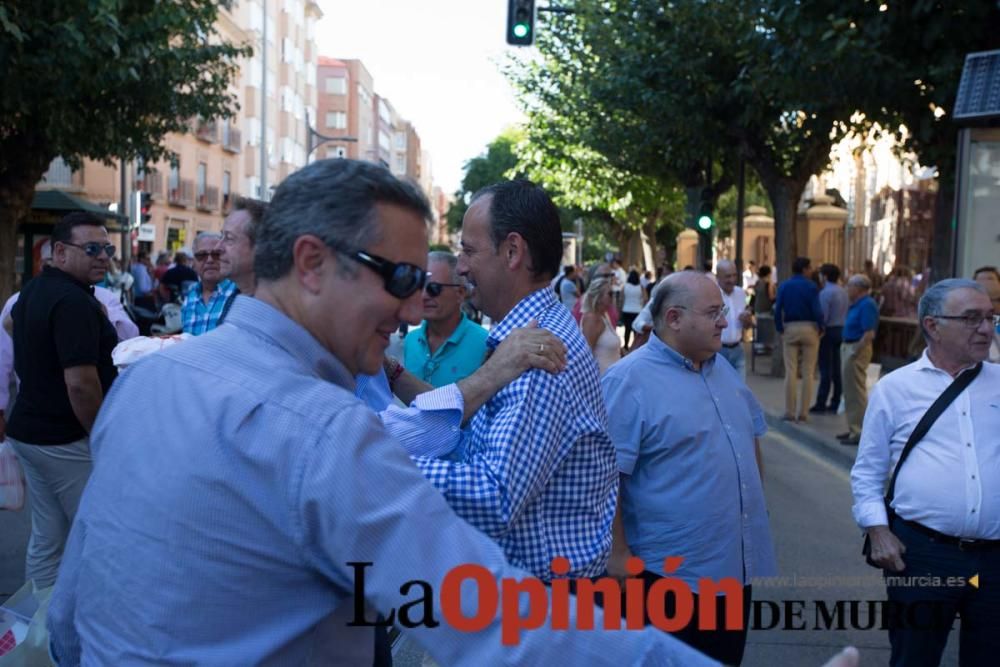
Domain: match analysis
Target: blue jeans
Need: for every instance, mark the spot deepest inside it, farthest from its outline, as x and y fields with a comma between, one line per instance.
x=930, y=609
x=736, y=357
x=829, y=368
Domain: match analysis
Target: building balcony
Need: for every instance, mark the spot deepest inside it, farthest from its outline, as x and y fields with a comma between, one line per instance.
x=207, y=130
x=182, y=194
x=60, y=176
x=208, y=200
x=232, y=140
x=150, y=182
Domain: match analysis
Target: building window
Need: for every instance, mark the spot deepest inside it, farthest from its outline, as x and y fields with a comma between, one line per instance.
x=227, y=179
x=336, y=120
x=336, y=85
x=175, y=176
x=202, y=179
x=400, y=164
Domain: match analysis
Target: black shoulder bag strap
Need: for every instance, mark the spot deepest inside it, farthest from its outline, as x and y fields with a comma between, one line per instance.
x=957, y=386
x=227, y=305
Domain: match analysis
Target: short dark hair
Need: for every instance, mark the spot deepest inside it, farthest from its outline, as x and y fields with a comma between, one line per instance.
x=62, y=231
x=986, y=269
x=521, y=207
x=256, y=209
x=335, y=201
x=633, y=277
x=568, y=269
x=764, y=271
x=831, y=272
x=800, y=264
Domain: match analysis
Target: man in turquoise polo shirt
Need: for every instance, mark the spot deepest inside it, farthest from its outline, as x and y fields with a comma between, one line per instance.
x=447, y=346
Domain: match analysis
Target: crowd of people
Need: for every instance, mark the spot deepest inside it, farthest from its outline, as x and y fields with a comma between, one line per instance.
x=221, y=516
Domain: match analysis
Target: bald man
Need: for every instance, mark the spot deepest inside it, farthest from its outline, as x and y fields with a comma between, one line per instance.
x=676, y=459
x=738, y=316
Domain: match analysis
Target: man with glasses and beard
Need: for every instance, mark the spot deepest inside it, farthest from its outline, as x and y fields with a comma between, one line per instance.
x=206, y=300
x=62, y=354
x=447, y=346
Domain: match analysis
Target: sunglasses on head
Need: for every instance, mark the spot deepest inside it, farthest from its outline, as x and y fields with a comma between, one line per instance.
x=93, y=249
x=435, y=289
x=402, y=280
x=202, y=255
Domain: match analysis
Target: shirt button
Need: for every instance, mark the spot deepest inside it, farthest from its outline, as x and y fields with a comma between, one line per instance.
x=973, y=511
x=968, y=444
x=973, y=477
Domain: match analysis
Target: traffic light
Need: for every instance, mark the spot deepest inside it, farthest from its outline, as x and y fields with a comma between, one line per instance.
x=705, y=222
x=520, y=22
x=145, y=207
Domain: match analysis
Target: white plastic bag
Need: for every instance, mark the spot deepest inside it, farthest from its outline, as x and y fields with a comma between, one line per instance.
x=32, y=649
x=11, y=479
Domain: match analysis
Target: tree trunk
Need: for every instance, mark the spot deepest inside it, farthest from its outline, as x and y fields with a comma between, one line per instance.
x=942, y=252
x=784, y=195
x=649, y=242
x=23, y=165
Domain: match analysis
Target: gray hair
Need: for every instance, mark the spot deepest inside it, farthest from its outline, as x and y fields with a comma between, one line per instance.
x=669, y=292
x=444, y=257
x=932, y=302
x=335, y=201
x=861, y=281
x=206, y=236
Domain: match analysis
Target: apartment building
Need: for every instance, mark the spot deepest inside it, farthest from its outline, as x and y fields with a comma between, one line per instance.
x=247, y=154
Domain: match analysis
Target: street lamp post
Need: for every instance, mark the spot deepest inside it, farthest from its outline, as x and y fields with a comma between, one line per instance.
x=314, y=139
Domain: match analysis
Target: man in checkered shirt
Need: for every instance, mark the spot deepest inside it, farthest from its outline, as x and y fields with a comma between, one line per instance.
x=538, y=473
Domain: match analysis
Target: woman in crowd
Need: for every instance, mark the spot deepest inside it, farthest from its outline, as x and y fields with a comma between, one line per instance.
x=763, y=305
x=633, y=299
x=596, y=324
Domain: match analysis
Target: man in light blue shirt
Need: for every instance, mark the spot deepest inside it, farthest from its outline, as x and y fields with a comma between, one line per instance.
x=227, y=536
x=447, y=346
x=690, y=478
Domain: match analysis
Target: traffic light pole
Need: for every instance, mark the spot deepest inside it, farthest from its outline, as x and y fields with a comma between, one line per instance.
x=740, y=206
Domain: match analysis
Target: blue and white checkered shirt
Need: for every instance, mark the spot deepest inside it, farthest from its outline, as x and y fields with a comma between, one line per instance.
x=199, y=317
x=538, y=474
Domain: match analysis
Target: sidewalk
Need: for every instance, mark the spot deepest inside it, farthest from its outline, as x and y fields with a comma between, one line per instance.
x=818, y=434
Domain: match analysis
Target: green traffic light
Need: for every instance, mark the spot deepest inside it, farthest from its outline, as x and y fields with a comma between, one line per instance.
x=521, y=30
x=705, y=223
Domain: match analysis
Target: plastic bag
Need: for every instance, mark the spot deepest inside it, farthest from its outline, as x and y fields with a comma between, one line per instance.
x=26, y=611
x=11, y=479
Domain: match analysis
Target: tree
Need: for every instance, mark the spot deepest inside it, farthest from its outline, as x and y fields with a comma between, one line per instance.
x=632, y=206
x=914, y=53
x=101, y=79
x=681, y=90
x=496, y=163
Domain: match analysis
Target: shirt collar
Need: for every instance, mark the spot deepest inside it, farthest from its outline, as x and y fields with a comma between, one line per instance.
x=924, y=363
x=225, y=286
x=261, y=319
x=59, y=274
x=529, y=308
x=676, y=358
x=456, y=336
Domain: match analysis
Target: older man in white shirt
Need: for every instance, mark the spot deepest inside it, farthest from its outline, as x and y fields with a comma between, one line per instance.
x=944, y=523
x=735, y=302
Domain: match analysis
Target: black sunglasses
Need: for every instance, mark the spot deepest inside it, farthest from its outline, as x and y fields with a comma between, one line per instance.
x=93, y=249
x=435, y=289
x=402, y=280
x=202, y=255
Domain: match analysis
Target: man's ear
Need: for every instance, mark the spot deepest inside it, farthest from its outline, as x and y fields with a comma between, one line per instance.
x=310, y=259
x=515, y=251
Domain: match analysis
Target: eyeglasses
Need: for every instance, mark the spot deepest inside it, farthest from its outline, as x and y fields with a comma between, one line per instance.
x=402, y=280
x=203, y=255
x=722, y=314
x=435, y=289
x=972, y=321
x=93, y=249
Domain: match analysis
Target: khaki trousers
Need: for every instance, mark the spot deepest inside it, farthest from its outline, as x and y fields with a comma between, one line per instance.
x=800, y=343
x=856, y=358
